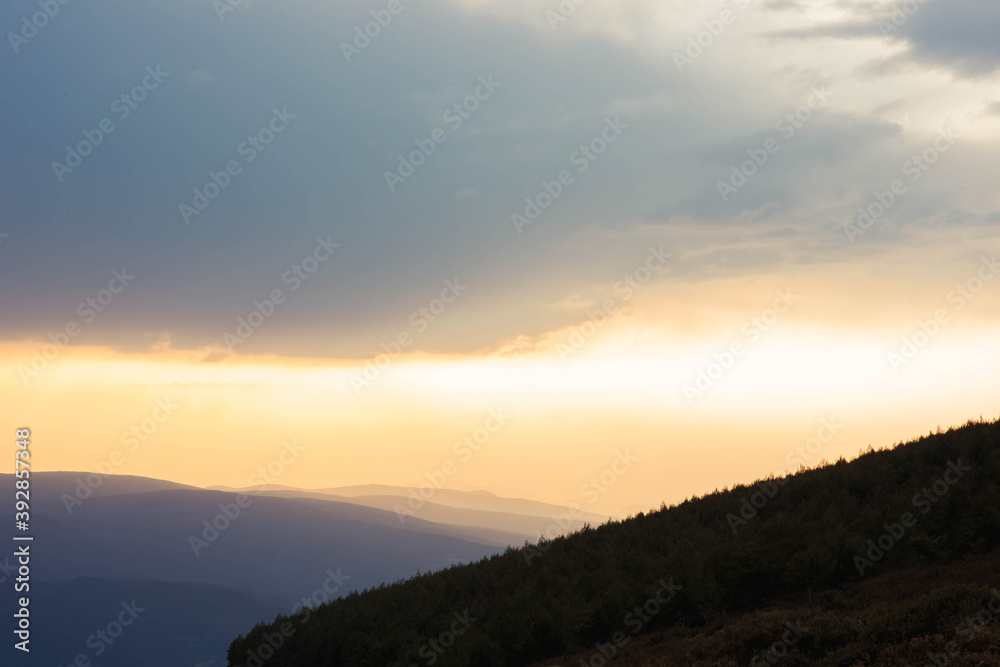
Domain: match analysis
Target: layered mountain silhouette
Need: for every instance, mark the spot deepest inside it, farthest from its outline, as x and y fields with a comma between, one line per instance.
x=720, y=580
x=182, y=552
x=879, y=561
x=516, y=519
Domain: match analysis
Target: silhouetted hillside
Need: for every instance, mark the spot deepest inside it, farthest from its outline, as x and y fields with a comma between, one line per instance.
x=916, y=617
x=933, y=500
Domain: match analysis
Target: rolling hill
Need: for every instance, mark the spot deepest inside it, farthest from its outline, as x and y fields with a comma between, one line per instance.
x=687, y=568
x=280, y=546
x=169, y=624
x=493, y=519
x=206, y=563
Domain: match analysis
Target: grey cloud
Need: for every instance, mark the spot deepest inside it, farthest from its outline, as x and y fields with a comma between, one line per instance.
x=957, y=34
x=963, y=35
x=325, y=176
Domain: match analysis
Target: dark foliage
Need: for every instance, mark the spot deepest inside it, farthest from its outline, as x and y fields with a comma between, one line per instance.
x=565, y=595
x=916, y=617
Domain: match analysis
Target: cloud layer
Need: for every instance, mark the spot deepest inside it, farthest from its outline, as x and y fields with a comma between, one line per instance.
x=353, y=106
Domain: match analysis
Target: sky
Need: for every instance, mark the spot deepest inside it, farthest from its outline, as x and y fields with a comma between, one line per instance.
x=691, y=235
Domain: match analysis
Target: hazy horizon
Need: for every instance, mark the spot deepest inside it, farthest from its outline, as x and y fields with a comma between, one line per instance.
x=692, y=231
x=444, y=287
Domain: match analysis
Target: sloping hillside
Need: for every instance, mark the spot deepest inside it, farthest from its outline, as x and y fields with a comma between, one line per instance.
x=944, y=614
x=929, y=501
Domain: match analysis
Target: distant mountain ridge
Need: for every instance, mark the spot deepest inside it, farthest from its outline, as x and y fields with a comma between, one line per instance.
x=480, y=500
x=276, y=545
x=237, y=558
x=513, y=519
x=929, y=501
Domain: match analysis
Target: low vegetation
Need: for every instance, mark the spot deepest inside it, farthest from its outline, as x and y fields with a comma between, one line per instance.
x=711, y=580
